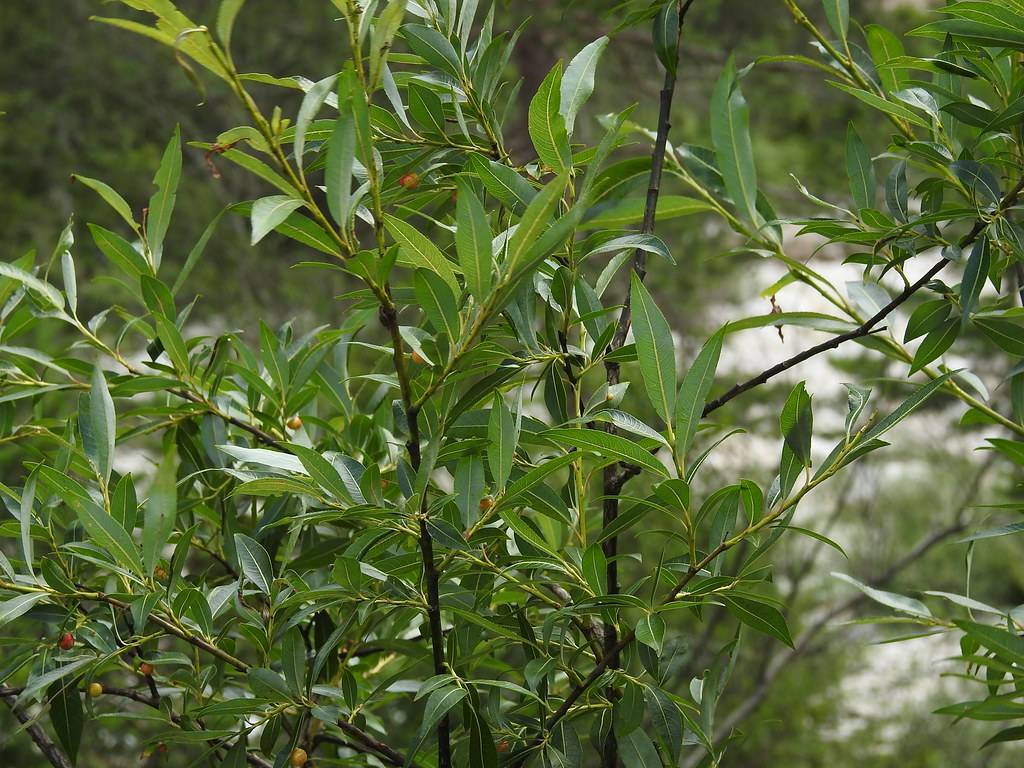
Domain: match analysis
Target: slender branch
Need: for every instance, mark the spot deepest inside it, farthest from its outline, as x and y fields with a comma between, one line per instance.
x=868, y=326
x=615, y=476
x=54, y=754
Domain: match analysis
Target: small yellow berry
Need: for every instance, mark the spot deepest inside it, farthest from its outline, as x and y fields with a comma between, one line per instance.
x=95, y=690
x=298, y=758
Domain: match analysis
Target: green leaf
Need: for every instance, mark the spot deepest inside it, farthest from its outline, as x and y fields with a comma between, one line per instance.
x=1006, y=645
x=255, y=562
x=67, y=717
x=860, y=170
x=196, y=252
x=226, y=15
x=473, y=239
x=647, y=243
x=885, y=47
x=419, y=251
x=30, y=281
x=501, y=436
x=108, y=533
x=535, y=221
x=578, y=81
x=665, y=34
x=434, y=47
x=890, y=599
x=119, y=251
x=341, y=151
x=439, y=704
x=161, y=512
x=611, y=447
x=161, y=204
x=730, y=134
x=637, y=750
x=655, y=350
x=759, y=615
x=511, y=189
x=438, y=303
x=668, y=723
x=1005, y=334
x=838, y=14
x=907, y=407
x=174, y=344
x=693, y=392
x=268, y=212
x=111, y=198
x=625, y=213
x=311, y=103
x=650, y=631
x=935, y=343
x=926, y=317
x=323, y=472
x=546, y=124
x=975, y=275
x=97, y=425
x=19, y=605
x=382, y=37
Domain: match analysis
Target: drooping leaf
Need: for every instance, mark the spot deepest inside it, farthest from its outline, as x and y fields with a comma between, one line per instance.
x=255, y=562
x=268, y=212
x=578, y=81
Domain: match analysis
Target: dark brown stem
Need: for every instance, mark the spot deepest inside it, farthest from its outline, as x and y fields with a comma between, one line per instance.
x=53, y=754
x=431, y=577
x=615, y=476
x=868, y=326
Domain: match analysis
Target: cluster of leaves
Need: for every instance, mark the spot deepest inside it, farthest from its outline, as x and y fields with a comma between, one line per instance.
x=358, y=526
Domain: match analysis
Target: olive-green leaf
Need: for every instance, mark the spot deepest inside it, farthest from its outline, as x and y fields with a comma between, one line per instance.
x=161, y=204
x=97, y=425
x=655, y=350
x=693, y=392
x=578, y=81
x=268, y=212
x=730, y=134
x=438, y=303
x=161, y=512
x=473, y=239
x=611, y=447
x=419, y=251
x=546, y=124
x=859, y=170
x=255, y=562
x=535, y=221
x=434, y=47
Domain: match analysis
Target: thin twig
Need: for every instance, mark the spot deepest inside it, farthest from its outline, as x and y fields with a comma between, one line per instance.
x=868, y=326
x=54, y=754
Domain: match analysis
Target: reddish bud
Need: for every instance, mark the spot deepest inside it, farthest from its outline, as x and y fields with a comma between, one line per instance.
x=294, y=423
x=409, y=180
x=146, y=669
x=67, y=641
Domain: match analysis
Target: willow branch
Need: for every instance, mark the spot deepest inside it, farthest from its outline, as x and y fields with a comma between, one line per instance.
x=54, y=754
x=868, y=326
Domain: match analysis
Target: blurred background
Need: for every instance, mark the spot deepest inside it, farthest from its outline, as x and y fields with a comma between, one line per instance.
x=82, y=97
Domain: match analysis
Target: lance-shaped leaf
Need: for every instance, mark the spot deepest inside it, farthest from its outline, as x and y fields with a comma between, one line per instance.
x=341, y=151
x=730, y=134
x=438, y=302
x=838, y=14
x=501, y=435
x=975, y=275
x=693, y=393
x=384, y=30
x=268, y=212
x=108, y=533
x=311, y=104
x=255, y=562
x=97, y=426
x=578, y=81
x=760, y=615
x=161, y=512
x=66, y=716
x=655, y=350
x=161, y=204
x=473, y=239
x=546, y=124
x=418, y=250
x=434, y=47
x=535, y=221
x=860, y=170
x=611, y=447
x=439, y=704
